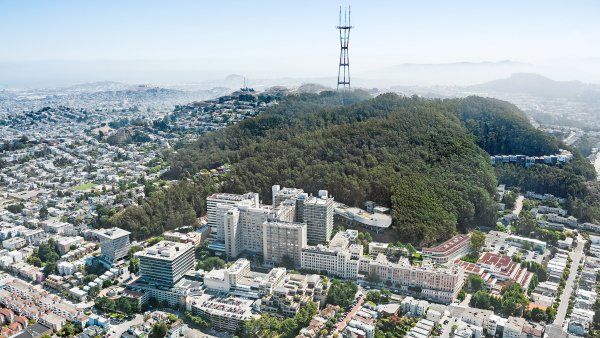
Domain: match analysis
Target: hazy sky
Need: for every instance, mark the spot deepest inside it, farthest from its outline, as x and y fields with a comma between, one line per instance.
x=283, y=38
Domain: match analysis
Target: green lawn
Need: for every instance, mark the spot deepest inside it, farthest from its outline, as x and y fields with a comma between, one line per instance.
x=85, y=186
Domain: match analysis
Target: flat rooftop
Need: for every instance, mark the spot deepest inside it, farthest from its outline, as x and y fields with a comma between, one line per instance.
x=231, y=197
x=165, y=250
x=112, y=233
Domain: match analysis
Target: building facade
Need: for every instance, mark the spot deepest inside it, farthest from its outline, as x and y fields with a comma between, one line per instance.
x=114, y=243
x=166, y=262
x=281, y=239
x=317, y=212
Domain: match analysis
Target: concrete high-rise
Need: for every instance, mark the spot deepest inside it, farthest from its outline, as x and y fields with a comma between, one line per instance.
x=317, y=213
x=214, y=200
x=242, y=224
x=282, y=194
x=238, y=220
x=164, y=263
x=281, y=239
x=114, y=243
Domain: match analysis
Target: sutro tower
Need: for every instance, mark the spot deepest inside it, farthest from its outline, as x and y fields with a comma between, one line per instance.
x=344, y=68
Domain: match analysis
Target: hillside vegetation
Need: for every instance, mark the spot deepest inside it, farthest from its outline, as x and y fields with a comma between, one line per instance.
x=426, y=159
x=500, y=128
x=408, y=153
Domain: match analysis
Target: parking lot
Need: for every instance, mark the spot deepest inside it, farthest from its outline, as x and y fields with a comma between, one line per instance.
x=496, y=242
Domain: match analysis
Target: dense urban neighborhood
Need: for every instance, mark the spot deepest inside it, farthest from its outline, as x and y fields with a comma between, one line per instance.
x=294, y=263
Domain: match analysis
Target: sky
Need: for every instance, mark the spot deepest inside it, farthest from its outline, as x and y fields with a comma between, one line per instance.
x=177, y=40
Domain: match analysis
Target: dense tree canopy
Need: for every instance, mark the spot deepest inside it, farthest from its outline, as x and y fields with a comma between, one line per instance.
x=500, y=127
x=166, y=209
x=341, y=293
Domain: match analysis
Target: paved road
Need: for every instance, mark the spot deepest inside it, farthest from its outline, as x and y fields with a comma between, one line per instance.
x=466, y=301
x=573, y=136
x=576, y=256
x=446, y=328
x=342, y=325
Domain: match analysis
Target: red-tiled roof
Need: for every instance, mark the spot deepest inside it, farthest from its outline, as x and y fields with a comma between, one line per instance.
x=450, y=245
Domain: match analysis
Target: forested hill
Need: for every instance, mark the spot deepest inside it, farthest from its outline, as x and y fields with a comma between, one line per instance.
x=500, y=127
x=409, y=153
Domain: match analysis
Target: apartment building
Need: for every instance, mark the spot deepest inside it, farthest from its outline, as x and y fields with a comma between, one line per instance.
x=14, y=243
x=281, y=239
x=165, y=262
x=114, y=243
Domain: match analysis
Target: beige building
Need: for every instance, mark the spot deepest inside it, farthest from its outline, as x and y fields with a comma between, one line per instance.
x=282, y=239
x=427, y=282
x=339, y=258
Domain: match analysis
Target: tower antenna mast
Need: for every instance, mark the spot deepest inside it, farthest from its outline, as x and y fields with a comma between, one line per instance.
x=344, y=65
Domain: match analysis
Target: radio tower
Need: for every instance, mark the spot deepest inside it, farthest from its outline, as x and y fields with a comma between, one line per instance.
x=344, y=68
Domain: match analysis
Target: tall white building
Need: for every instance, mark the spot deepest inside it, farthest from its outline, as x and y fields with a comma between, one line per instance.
x=282, y=239
x=114, y=243
x=339, y=258
x=214, y=200
x=232, y=232
x=282, y=194
x=317, y=213
x=239, y=225
x=166, y=262
x=238, y=222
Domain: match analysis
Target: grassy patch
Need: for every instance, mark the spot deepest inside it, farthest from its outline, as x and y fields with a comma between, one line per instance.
x=85, y=186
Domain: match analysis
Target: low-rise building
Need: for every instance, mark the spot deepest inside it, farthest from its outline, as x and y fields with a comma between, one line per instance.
x=450, y=250
x=224, y=313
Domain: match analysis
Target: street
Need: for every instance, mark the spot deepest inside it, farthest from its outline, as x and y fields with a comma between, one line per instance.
x=446, y=328
x=342, y=325
x=576, y=256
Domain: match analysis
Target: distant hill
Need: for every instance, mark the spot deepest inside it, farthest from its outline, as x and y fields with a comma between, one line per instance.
x=500, y=127
x=100, y=86
x=313, y=88
x=457, y=73
x=538, y=85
